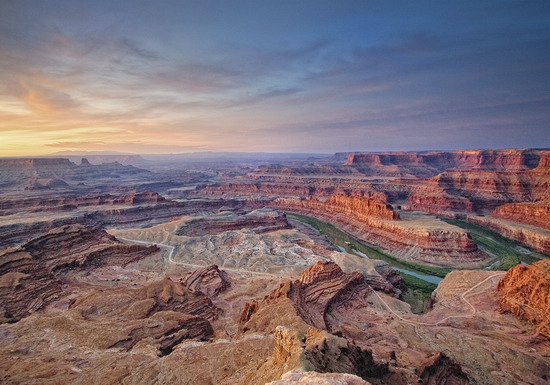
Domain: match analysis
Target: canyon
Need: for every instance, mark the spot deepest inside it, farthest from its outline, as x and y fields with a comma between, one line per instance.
x=353, y=268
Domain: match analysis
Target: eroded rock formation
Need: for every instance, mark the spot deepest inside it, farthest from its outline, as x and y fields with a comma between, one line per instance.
x=318, y=351
x=259, y=221
x=525, y=291
x=536, y=238
x=531, y=213
x=297, y=378
x=209, y=280
x=320, y=289
x=422, y=239
x=30, y=274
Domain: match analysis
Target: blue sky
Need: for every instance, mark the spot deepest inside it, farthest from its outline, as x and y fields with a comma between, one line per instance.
x=280, y=76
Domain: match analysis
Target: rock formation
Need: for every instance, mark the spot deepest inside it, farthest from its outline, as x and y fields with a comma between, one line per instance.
x=424, y=164
x=525, y=291
x=320, y=289
x=46, y=173
x=209, y=280
x=536, y=238
x=425, y=240
x=318, y=351
x=259, y=221
x=30, y=274
x=165, y=311
x=439, y=369
x=531, y=213
x=297, y=378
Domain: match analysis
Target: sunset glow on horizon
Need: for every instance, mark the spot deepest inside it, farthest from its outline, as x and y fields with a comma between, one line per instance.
x=285, y=76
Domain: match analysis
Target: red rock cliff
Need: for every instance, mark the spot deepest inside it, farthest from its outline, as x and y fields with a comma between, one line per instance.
x=531, y=213
x=525, y=291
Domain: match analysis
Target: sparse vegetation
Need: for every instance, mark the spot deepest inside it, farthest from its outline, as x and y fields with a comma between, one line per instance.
x=342, y=239
x=494, y=243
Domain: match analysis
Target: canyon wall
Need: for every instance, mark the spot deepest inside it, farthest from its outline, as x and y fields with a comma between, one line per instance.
x=431, y=163
x=425, y=240
x=538, y=239
x=531, y=213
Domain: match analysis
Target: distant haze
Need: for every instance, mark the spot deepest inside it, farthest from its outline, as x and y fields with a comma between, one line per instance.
x=272, y=76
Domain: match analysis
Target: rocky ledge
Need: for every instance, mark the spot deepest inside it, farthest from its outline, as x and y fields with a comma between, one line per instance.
x=30, y=275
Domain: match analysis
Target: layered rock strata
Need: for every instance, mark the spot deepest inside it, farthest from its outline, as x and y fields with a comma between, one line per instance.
x=525, y=291
x=209, y=280
x=164, y=311
x=531, y=213
x=30, y=275
x=68, y=203
x=29, y=172
x=15, y=231
x=259, y=221
x=320, y=289
x=424, y=164
x=434, y=242
x=534, y=237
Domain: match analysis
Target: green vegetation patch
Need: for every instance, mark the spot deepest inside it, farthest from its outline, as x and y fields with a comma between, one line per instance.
x=342, y=239
x=497, y=244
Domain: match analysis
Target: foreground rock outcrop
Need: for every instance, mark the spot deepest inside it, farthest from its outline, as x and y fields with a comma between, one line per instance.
x=297, y=378
x=525, y=291
x=318, y=351
x=30, y=275
x=322, y=288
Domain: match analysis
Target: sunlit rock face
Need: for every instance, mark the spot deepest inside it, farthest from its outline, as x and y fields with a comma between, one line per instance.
x=525, y=291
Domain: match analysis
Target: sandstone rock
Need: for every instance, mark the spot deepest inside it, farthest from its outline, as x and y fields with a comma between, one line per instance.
x=259, y=221
x=318, y=351
x=424, y=164
x=440, y=369
x=209, y=280
x=534, y=237
x=297, y=378
x=525, y=291
x=30, y=274
x=321, y=288
x=531, y=213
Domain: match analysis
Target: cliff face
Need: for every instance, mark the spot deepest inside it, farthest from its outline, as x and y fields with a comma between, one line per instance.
x=538, y=239
x=525, y=291
x=44, y=173
x=531, y=213
x=431, y=163
x=360, y=208
x=422, y=240
x=72, y=202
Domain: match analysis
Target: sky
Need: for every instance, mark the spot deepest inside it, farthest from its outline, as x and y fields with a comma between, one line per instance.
x=273, y=76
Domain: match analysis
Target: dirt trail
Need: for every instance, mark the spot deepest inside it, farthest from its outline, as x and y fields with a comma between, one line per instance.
x=193, y=266
x=462, y=297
